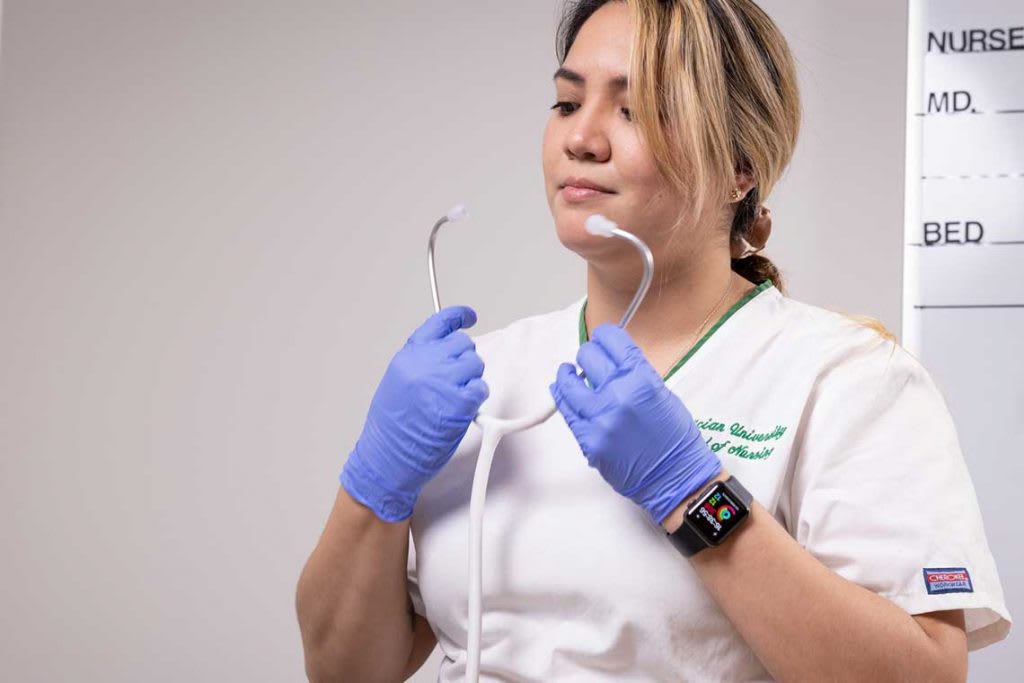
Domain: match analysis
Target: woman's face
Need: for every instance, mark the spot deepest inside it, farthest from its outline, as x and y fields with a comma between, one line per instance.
x=590, y=136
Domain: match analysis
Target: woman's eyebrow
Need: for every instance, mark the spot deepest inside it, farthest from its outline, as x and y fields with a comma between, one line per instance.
x=617, y=83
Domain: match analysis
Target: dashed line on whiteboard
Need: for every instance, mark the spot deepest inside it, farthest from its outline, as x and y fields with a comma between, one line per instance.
x=981, y=176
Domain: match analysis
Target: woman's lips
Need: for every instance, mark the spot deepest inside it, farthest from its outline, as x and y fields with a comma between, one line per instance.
x=571, y=193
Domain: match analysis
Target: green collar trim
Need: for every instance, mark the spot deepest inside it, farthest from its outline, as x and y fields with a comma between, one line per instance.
x=584, y=337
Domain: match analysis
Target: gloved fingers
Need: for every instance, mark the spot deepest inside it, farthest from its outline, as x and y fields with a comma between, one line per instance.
x=564, y=406
x=596, y=363
x=640, y=380
x=443, y=323
x=583, y=401
x=455, y=344
x=462, y=404
x=619, y=346
x=464, y=368
x=473, y=394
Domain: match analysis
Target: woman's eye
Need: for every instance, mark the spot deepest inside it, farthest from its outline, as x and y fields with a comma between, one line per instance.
x=560, y=106
x=563, y=111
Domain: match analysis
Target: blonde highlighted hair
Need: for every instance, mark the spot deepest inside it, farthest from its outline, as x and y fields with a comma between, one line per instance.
x=713, y=90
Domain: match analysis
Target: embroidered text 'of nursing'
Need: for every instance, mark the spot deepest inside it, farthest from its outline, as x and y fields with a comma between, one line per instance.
x=741, y=433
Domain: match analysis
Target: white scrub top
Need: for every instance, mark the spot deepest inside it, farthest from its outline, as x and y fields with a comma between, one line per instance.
x=840, y=434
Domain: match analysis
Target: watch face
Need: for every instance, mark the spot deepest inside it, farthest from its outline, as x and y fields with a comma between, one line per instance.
x=718, y=513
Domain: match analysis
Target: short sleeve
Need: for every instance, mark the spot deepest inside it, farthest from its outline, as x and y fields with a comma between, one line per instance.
x=412, y=580
x=880, y=492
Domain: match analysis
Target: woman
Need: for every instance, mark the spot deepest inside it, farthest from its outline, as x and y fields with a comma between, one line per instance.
x=861, y=554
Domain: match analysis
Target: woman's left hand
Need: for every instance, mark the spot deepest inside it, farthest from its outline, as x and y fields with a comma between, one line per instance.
x=630, y=426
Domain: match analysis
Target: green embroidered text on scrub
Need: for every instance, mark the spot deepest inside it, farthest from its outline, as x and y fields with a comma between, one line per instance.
x=736, y=429
x=741, y=431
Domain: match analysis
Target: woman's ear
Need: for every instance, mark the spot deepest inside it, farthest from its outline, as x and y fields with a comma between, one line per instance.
x=744, y=183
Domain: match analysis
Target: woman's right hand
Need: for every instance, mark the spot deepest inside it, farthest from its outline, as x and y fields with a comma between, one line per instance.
x=423, y=407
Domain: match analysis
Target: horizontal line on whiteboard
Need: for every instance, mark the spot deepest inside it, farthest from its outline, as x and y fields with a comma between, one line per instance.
x=966, y=244
x=982, y=176
x=973, y=111
x=969, y=306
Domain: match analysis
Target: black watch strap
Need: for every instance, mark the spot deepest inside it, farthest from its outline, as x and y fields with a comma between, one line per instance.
x=686, y=539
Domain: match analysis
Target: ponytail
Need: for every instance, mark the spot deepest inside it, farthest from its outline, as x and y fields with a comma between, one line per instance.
x=755, y=268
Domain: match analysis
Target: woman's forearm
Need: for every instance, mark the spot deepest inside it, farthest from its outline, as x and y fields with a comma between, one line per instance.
x=352, y=598
x=804, y=621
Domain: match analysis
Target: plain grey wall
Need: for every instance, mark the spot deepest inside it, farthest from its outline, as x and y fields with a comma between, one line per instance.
x=213, y=218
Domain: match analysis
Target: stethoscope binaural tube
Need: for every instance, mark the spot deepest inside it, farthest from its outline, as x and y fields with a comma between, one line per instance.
x=494, y=428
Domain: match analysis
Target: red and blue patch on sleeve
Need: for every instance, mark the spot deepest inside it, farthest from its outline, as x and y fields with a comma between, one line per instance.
x=940, y=580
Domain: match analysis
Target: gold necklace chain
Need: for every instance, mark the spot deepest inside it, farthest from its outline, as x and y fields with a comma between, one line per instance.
x=706, y=319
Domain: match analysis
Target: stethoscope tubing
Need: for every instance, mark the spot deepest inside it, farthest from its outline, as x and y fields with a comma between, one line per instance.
x=494, y=428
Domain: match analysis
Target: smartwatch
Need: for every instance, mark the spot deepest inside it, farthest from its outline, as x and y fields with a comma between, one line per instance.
x=717, y=512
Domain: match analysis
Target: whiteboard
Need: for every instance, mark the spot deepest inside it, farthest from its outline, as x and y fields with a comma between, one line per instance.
x=963, y=293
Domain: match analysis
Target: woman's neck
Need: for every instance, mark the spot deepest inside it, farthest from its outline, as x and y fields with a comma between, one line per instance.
x=675, y=312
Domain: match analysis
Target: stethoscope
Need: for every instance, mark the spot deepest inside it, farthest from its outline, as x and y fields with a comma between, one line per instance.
x=494, y=428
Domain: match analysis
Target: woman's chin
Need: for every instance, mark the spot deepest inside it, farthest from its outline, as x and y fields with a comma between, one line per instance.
x=574, y=237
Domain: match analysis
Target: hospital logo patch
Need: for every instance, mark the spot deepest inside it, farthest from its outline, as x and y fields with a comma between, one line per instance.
x=947, y=580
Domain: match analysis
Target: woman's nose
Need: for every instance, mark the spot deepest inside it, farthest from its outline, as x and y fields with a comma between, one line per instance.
x=587, y=139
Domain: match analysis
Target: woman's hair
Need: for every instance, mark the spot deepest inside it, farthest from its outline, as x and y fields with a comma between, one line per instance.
x=713, y=88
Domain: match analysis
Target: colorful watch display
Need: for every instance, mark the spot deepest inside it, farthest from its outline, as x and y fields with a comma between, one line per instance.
x=720, y=509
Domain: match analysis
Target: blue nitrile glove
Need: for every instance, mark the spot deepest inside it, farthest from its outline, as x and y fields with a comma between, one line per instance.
x=630, y=426
x=423, y=407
